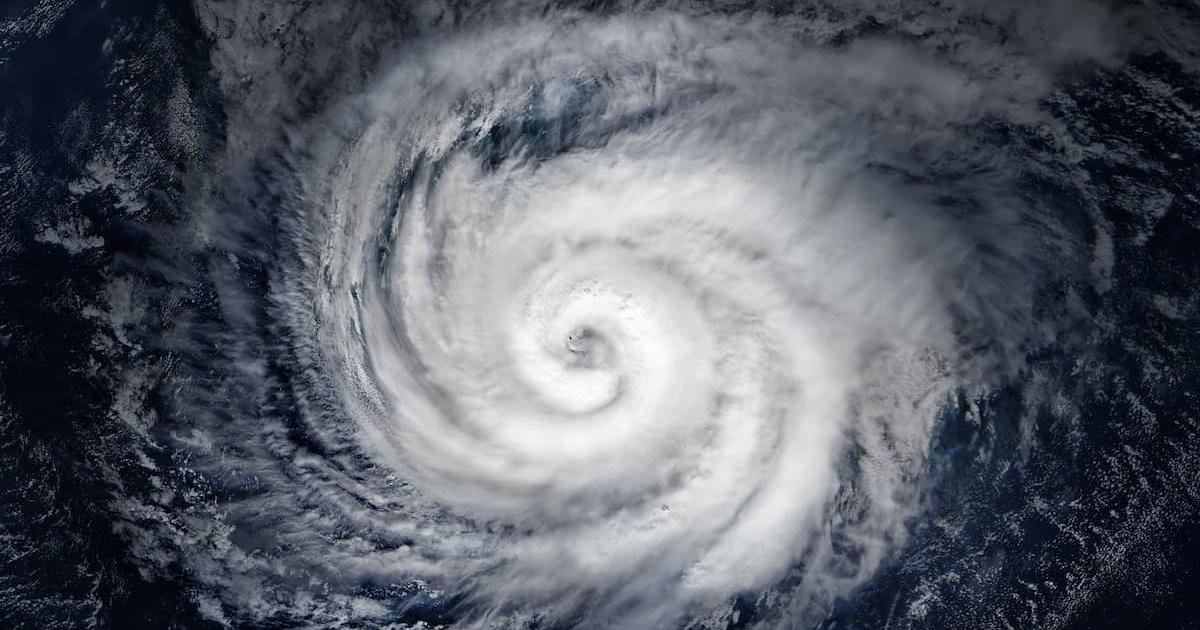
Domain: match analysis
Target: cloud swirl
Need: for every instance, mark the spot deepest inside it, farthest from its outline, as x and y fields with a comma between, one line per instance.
x=604, y=320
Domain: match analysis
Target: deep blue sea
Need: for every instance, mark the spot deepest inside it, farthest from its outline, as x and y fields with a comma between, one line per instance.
x=626, y=315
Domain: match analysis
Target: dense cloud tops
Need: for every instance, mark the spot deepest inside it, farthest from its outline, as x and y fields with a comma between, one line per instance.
x=600, y=318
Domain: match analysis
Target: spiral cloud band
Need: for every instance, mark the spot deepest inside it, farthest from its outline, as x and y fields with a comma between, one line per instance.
x=604, y=320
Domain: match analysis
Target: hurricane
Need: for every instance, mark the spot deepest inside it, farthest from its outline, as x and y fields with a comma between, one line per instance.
x=634, y=315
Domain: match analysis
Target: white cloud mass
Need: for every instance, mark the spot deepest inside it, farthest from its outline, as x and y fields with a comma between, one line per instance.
x=602, y=319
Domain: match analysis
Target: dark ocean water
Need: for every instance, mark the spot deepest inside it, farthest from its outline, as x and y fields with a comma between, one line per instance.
x=1068, y=496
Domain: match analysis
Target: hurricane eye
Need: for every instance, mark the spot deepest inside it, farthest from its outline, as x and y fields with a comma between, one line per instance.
x=587, y=348
x=581, y=340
